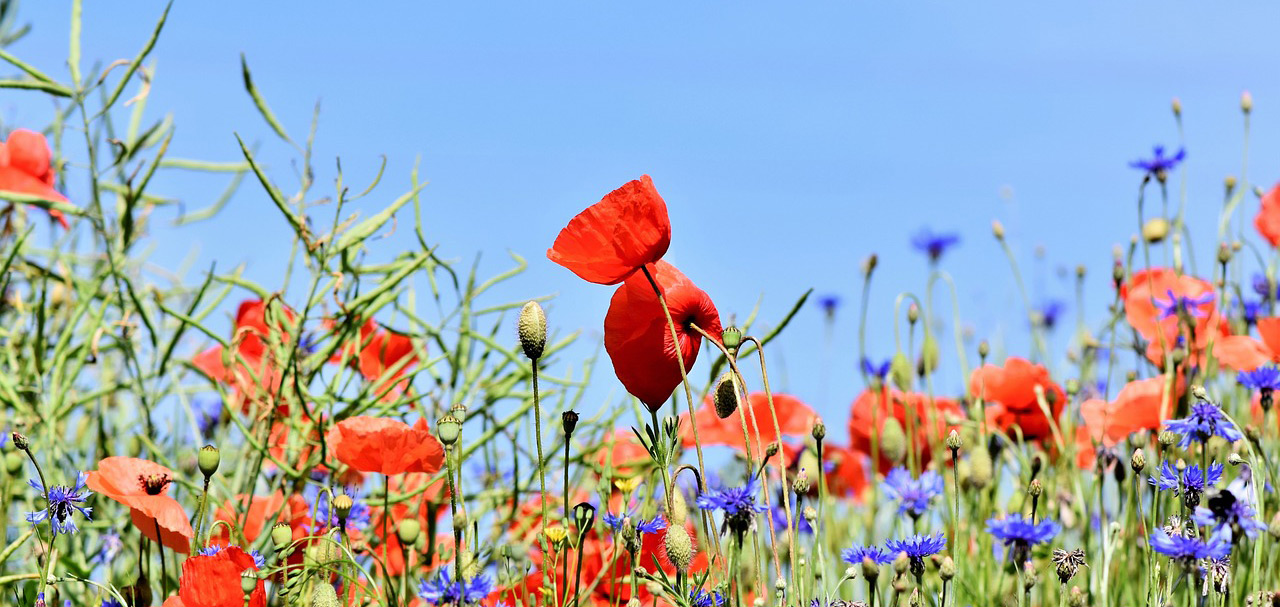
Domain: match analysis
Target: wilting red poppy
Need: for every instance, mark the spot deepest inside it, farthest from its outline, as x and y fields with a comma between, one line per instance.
x=214, y=581
x=1139, y=406
x=377, y=352
x=142, y=485
x=1244, y=353
x=794, y=419
x=931, y=417
x=386, y=446
x=1152, y=299
x=613, y=238
x=26, y=168
x=253, y=372
x=845, y=473
x=1009, y=393
x=1268, y=219
x=637, y=337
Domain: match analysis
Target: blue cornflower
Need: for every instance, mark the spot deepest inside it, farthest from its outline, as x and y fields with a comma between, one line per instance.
x=913, y=494
x=1226, y=512
x=213, y=549
x=829, y=303
x=1019, y=534
x=934, y=245
x=1189, y=549
x=111, y=603
x=698, y=598
x=917, y=548
x=1191, y=479
x=855, y=555
x=1160, y=165
x=1206, y=420
x=738, y=504
x=1050, y=311
x=618, y=521
x=110, y=549
x=880, y=371
x=1178, y=304
x=208, y=412
x=1251, y=310
x=1263, y=287
x=779, y=515
x=1263, y=378
x=443, y=590
x=63, y=502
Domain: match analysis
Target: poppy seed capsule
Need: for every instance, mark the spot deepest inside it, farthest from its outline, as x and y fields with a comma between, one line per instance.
x=248, y=581
x=449, y=429
x=679, y=547
x=407, y=531
x=281, y=535
x=731, y=337
x=570, y=420
x=208, y=459
x=532, y=327
x=726, y=397
x=342, y=505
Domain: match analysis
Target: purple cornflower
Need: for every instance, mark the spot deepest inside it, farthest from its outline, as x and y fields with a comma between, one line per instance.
x=213, y=549
x=738, y=504
x=111, y=547
x=1227, y=512
x=917, y=548
x=110, y=603
x=1179, y=304
x=618, y=522
x=779, y=515
x=879, y=371
x=913, y=494
x=208, y=412
x=855, y=555
x=1263, y=287
x=1191, y=479
x=63, y=502
x=934, y=245
x=1160, y=165
x=699, y=598
x=1019, y=534
x=1206, y=420
x=1265, y=378
x=443, y=590
x=1050, y=311
x=1250, y=311
x=829, y=303
x=1187, y=549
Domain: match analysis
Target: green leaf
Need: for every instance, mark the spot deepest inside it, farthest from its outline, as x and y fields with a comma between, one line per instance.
x=36, y=85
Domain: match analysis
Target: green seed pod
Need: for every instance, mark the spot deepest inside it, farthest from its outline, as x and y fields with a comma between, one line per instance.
x=679, y=507
x=248, y=581
x=929, y=355
x=900, y=371
x=407, y=531
x=281, y=536
x=449, y=429
x=679, y=547
x=893, y=442
x=208, y=459
x=532, y=327
x=731, y=337
x=342, y=505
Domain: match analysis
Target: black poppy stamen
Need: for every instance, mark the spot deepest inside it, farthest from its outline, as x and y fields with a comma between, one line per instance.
x=154, y=484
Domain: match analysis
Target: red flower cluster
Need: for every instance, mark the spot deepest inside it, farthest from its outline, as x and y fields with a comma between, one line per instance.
x=1010, y=396
x=249, y=368
x=928, y=416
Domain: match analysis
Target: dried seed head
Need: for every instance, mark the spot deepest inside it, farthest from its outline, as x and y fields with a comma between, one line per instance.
x=726, y=395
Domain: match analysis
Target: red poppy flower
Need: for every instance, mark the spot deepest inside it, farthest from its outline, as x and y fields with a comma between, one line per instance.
x=253, y=373
x=254, y=516
x=1141, y=405
x=142, y=485
x=386, y=446
x=846, y=474
x=1244, y=353
x=1150, y=295
x=214, y=581
x=794, y=419
x=1009, y=393
x=637, y=337
x=26, y=168
x=612, y=238
x=931, y=419
x=1268, y=219
x=377, y=352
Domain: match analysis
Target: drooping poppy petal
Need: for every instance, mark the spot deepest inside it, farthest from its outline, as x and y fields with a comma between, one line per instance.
x=142, y=486
x=638, y=339
x=612, y=238
x=931, y=417
x=795, y=418
x=1242, y=353
x=214, y=580
x=1009, y=393
x=1267, y=220
x=26, y=168
x=385, y=446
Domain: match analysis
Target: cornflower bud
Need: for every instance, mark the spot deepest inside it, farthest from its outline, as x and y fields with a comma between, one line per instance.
x=819, y=431
x=1138, y=461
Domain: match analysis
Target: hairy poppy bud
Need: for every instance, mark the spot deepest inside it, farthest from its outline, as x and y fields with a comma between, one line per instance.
x=893, y=442
x=208, y=459
x=324, y=596
x=726, y=396
x=819, y=431
x=248, y=581
x=679, y=511
x=1246, y=102
x=929, y=355
x=679, y=547
x=997, y=229
x=20, y=441
x=407, y=531
x=570, y=420
x=449, y=429
x=532, y=327
x=900, y=371
x=281, y=535
x=980, y=468
x=731, y=337
x=1155, y=229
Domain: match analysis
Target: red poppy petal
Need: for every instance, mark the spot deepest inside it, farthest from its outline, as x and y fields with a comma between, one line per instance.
x=611, y=239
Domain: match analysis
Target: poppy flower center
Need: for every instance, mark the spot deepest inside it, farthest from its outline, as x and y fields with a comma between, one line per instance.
x=154, y=484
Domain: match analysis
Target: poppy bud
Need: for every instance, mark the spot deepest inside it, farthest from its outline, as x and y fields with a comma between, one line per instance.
x=731, y=337
x=1155, y=229
x=1138, y=461
x=893, y=442
x=324, y=596
x=900, y=371
x=953, y=441
x=984, y=349
x=208, y=459
x=929, y=355
x=819, y=431
x=570, y=420
x=1072, y=387
x=1246, y=102
x=532, y=327
x=281, y=535
x=13, y=462
x=679, y=547
x=869, y=264
x=679, y=511
x=20, y=441
x=248, y=581
x=947, y=569
x=407, y=531
x=980, y=468
x=726, y=396
x=449, y=429
x=997, y=229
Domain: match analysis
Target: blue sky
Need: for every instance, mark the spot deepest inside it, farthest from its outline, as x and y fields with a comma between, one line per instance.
x=789, y=142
